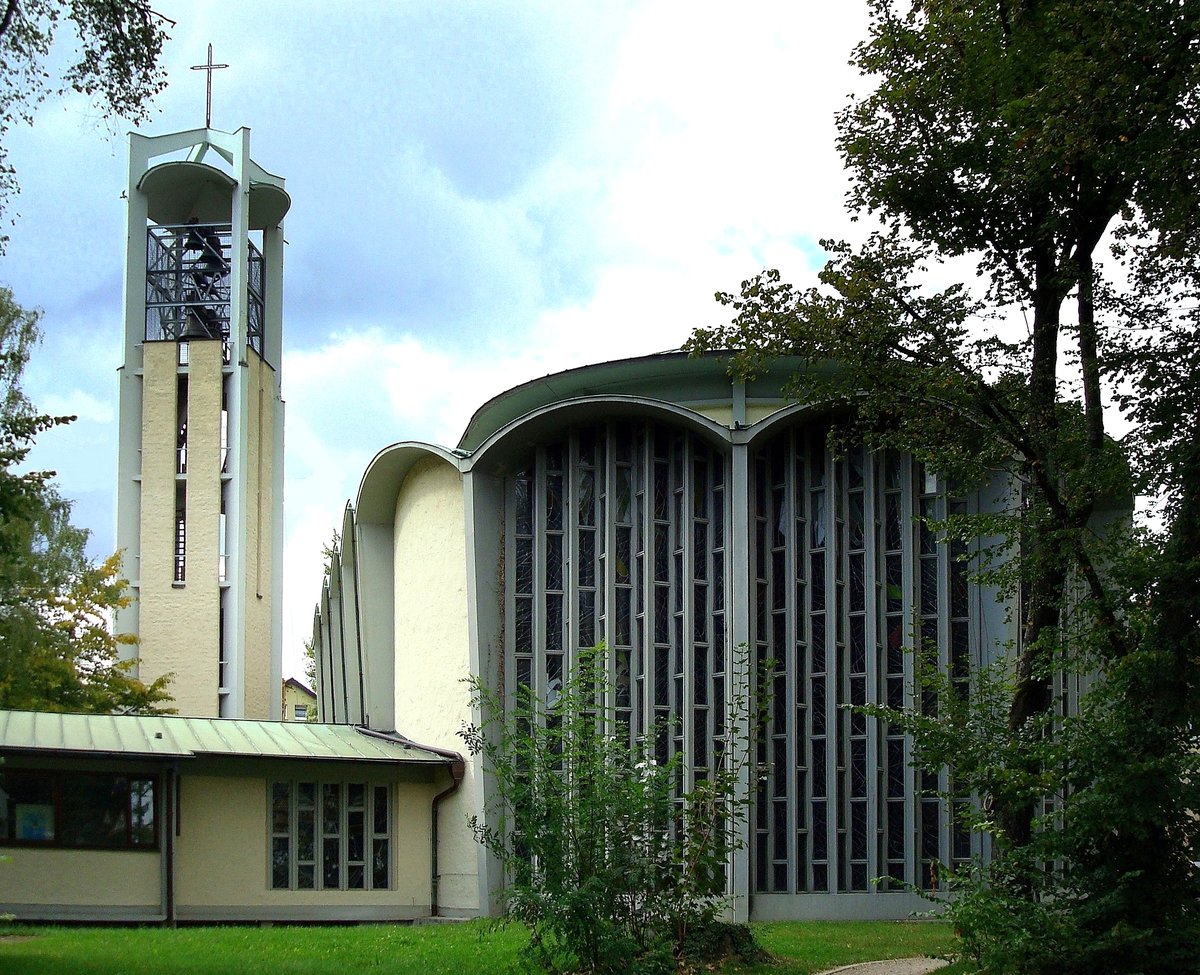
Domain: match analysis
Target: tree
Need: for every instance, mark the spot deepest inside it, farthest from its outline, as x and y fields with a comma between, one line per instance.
x=1016, y=136
x=56, y=649
x=609, y=867
x=115, y=63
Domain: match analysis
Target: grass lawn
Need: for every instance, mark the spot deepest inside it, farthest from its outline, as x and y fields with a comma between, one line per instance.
x=454, y=949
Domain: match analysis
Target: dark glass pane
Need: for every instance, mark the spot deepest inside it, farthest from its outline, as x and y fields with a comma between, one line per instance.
x=816, y=520
x=818, y=644
x=380, y=810
x=587, y=446
x=895, y=692
x=779, y=578
x=554, y=502
x=662, y=490
x=700, y=675
x=857, y=582
x=892, y=537
x=281, y=793
x=662, y=614
x=306, y=876
x=554, y=457
x=780, y=830
x=306, y=843
x=585, y=504
x=624, y=596
x=817, y=581
x=524, y=565
x=662, y=558
x=761, y=863
x=587, y=618
x=779, y=766
x=858, y=646
x=717, y=519
x=280, y=862
x=523, y=503
x=379, y=864
x=554, y=624
x=524, y=625
x=858, y=875
x=624, y=552
x=622, y=680
x=857, y=520
x=554, y=562
x=587, y=558
x=141, y=812
x=524, y=668
x=819, y=840
x=818, y=767
x=700, y=612
x=928, y=535
x=355, y=877
x=858, y=830
x=929, y=588
x=331, y=860
x=895, y=839
x=958, y=588
x=94, y=810
x=930, y=809
x=858, y=767
x=624, y=493
x=855, y=462
x=554, y=677
x=892, y=469
x=331, y=808
x=355, y=824
x=700, y=550
x=895, y=584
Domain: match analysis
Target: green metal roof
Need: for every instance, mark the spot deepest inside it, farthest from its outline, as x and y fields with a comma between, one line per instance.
x=171, y=737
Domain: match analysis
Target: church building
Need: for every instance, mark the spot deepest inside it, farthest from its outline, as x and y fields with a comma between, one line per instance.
x=676, y=515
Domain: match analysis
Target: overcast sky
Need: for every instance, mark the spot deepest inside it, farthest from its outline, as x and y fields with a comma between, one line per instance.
x=482, y=193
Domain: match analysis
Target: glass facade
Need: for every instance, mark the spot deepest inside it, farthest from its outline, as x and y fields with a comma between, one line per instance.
x=622, y=532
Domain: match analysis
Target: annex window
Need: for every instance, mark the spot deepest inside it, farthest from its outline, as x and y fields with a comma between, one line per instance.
x=78, y=809
x=330, y=836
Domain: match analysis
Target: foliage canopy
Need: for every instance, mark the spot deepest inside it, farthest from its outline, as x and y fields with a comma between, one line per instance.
x=115, y=61
x=56, y=650
x=1015, y=138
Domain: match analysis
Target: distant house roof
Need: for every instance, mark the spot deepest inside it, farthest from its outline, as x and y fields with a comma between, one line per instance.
x=300, y=686
x=171, y=737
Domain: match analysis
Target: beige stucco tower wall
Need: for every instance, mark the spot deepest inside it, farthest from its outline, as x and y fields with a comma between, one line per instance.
x=200, y=467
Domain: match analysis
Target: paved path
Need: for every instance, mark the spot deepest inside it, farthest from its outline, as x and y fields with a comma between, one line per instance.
x=895, y=966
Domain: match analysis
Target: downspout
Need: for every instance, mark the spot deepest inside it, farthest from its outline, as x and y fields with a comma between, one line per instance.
x=169, y=827
x=457, y=768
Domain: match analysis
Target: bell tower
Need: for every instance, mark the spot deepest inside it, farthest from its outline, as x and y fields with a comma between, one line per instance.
x=200, y=464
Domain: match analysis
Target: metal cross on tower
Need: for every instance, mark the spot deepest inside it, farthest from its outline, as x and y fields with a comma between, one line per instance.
x=210, y=68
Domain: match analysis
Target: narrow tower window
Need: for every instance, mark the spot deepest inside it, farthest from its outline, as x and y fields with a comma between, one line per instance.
x=181, y=424
x=180, y=532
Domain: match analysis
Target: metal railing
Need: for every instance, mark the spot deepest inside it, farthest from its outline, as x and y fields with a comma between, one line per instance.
x=188, y=285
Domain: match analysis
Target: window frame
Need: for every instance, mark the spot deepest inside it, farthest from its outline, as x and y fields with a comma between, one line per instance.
x=57, y=778
x=321, y=831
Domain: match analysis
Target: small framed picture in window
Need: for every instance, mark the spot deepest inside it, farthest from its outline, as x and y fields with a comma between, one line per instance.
x=35, y=821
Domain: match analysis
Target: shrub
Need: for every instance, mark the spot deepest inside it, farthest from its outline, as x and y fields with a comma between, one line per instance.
x=611, y=863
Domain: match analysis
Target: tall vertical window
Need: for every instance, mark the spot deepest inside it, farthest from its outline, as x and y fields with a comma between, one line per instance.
x=844, y=559
x=330, y=836
x=181, y=423
x=616, y=534
x=180, y=540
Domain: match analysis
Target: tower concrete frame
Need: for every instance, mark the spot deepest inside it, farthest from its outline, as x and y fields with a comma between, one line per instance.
x=200, y=463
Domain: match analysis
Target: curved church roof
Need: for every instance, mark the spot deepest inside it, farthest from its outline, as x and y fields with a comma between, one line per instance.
x=674, y=377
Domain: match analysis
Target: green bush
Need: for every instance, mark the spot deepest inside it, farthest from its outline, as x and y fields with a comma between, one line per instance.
x=609, y=861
